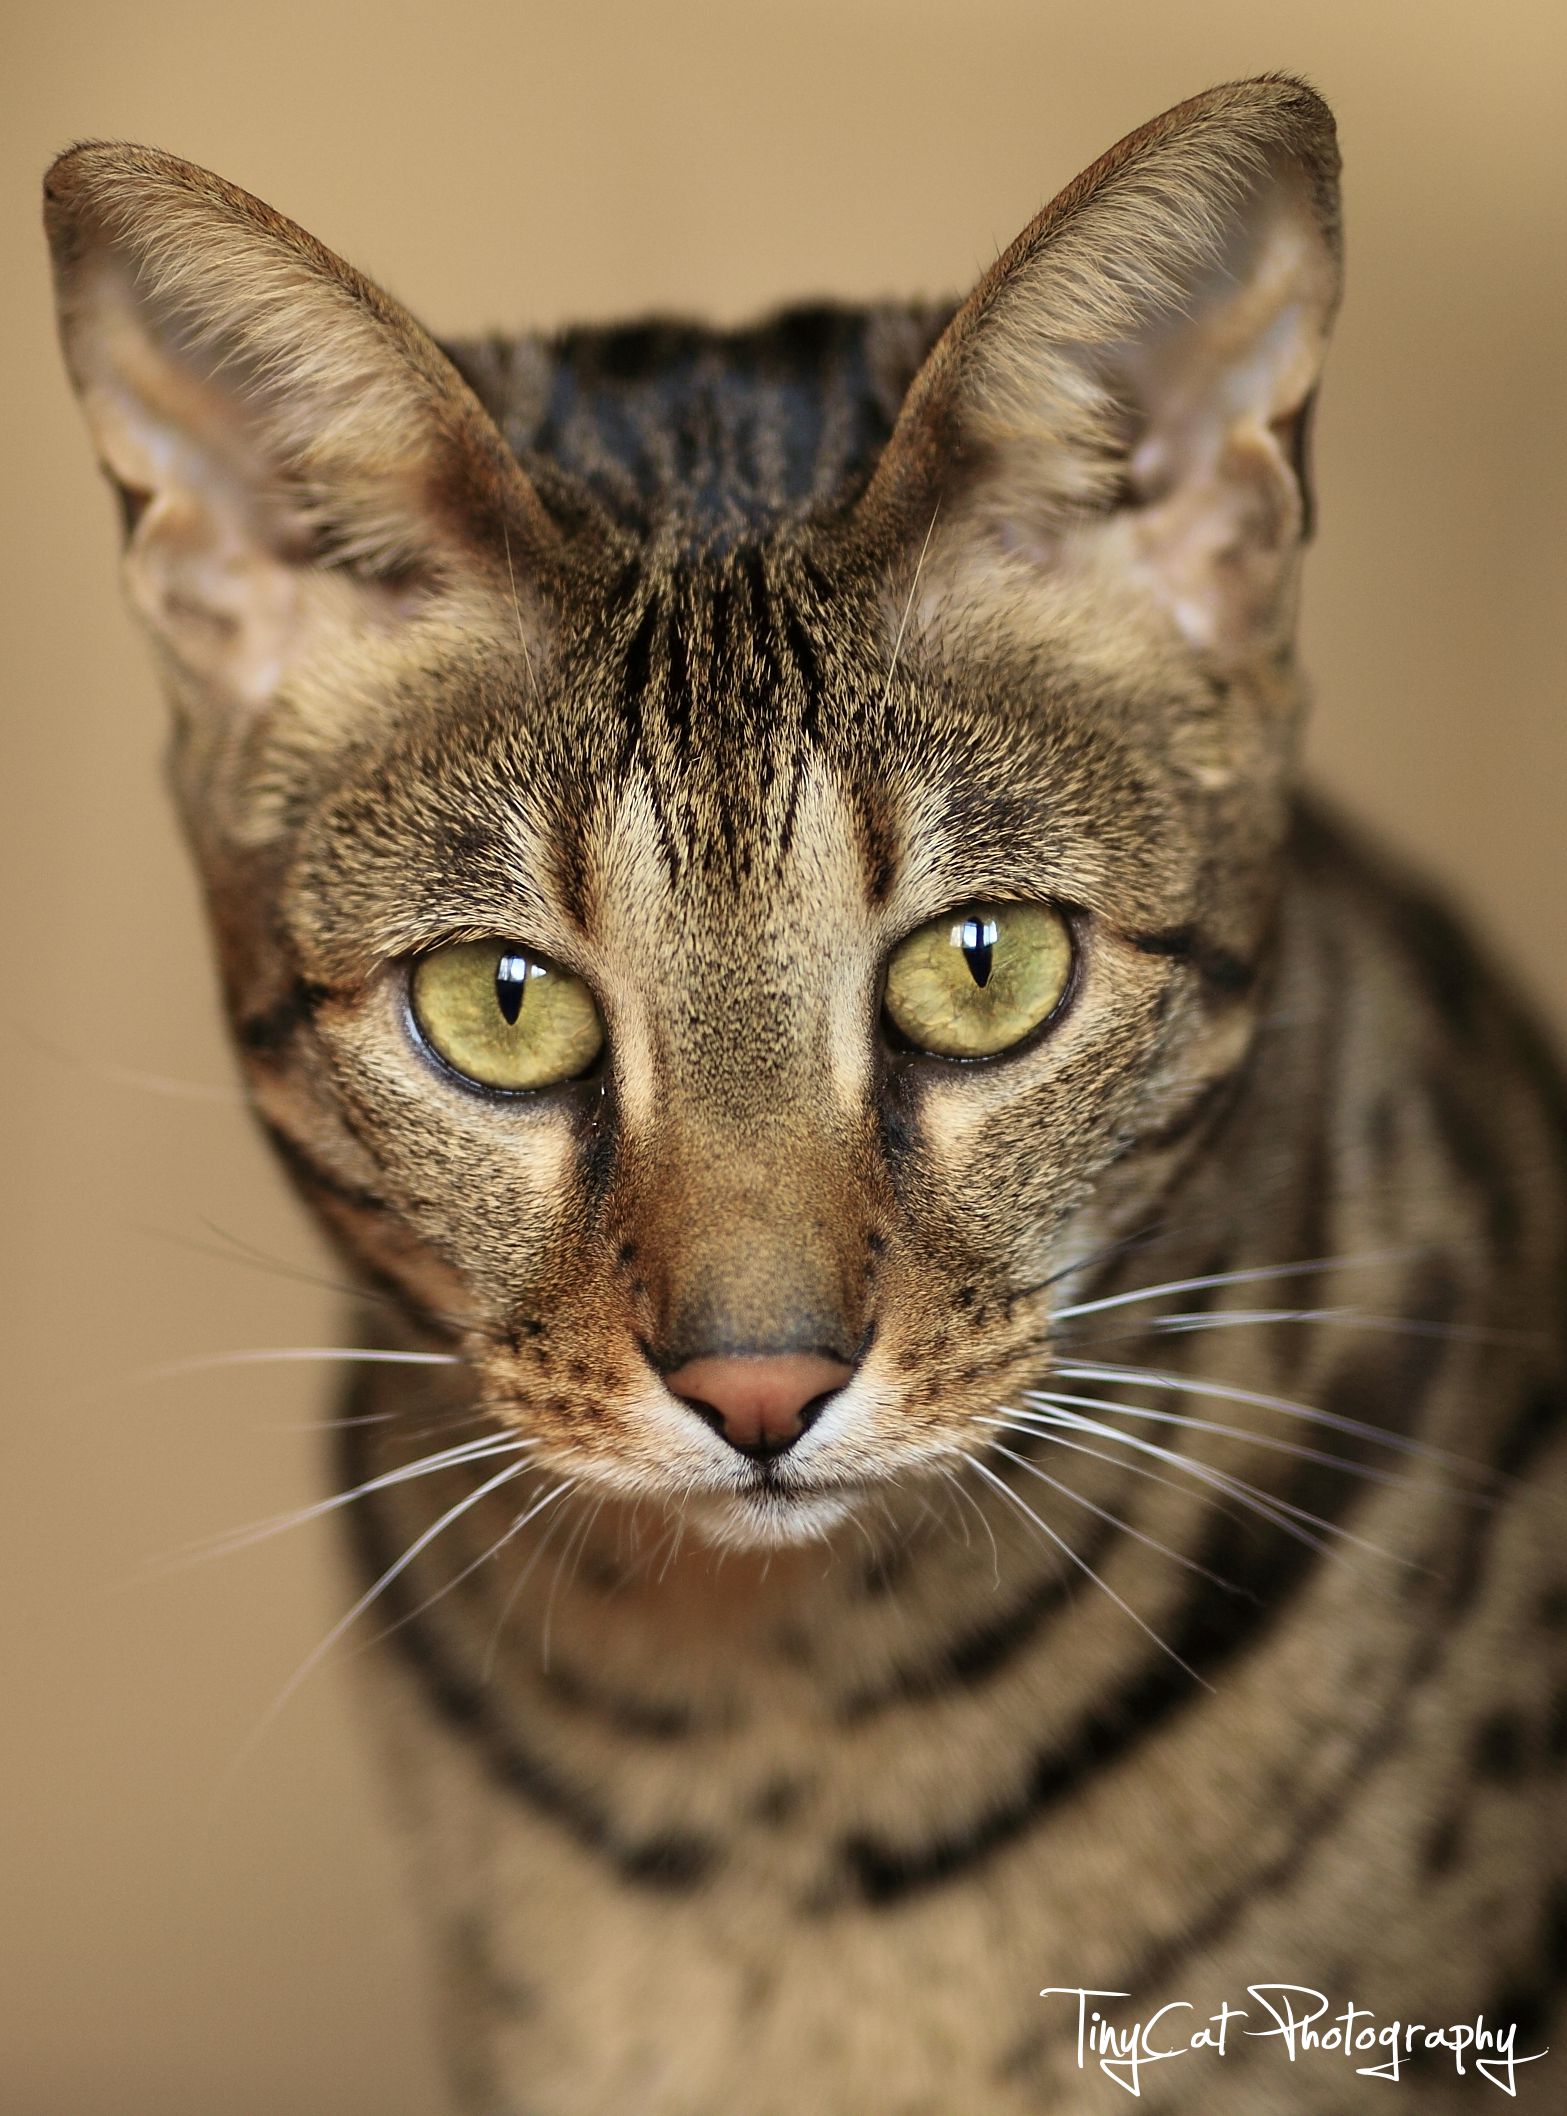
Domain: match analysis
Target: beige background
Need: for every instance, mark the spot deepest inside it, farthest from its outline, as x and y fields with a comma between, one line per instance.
x=189, y=1924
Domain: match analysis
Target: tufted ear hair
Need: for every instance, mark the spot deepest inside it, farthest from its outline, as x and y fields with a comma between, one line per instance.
x=1120, y=406
x=304, y=478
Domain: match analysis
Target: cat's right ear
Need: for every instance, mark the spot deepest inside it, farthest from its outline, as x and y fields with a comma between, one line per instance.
x=305, y=479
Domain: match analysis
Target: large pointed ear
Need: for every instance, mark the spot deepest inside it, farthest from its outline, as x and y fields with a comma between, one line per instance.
x=1116, y=417
x=303, y=475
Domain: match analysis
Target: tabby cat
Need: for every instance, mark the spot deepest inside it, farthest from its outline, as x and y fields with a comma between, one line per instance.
x=968, y=1287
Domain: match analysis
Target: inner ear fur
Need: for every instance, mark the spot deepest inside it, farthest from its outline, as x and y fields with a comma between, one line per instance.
x=1120, y=406
x=298, y=463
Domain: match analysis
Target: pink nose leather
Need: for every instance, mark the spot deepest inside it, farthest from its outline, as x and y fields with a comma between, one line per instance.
x=759, y=1399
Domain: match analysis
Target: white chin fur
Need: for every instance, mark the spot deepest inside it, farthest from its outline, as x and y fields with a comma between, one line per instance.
x=765, y=1523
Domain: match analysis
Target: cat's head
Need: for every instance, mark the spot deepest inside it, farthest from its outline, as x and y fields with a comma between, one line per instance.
x=741, y=862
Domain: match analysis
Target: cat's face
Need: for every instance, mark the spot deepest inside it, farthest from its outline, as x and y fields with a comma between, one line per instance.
x=899, y=867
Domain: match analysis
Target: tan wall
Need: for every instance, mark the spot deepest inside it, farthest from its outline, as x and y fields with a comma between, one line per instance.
x=190, y=1924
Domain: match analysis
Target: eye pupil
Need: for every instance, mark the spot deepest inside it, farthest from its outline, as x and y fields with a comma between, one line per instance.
x=978, y=942
x=511, y=981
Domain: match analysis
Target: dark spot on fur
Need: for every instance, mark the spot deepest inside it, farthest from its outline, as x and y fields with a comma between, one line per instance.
x=778, y=1802
x=1538, y=1423
x=883, y=1572
x=1556, y=1728
x=1218, y=966
x=266, y=1034
x=1444, y=1844
x=1501, y=1748
x=649, y=1719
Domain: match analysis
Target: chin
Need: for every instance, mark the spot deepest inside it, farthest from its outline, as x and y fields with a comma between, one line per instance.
x=766, y=1518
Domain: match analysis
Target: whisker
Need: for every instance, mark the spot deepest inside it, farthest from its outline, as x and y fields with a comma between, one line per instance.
x=1284, y=1513
x=951, y=1477
x=1340, y=1318
x=232, y=1248
x=1313, y=1266
x=1057, y=1438
x=127, y=1075
x=484, y=1557
x=486, y=1446
x=677, y=1544
x=373, y=1593
x=1268, y=1441
x=1046, y=1423
x=1226, y=1392
x=279, y=1355
x=522, y=636
x=1017, y=1500
x=1079, y=1499
x=570, y=1555
x=487, y=1666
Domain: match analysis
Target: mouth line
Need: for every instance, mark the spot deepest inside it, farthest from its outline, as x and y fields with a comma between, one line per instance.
x=773, y=1484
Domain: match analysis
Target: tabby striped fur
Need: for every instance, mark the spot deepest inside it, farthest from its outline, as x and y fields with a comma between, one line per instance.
x=1169, y=1602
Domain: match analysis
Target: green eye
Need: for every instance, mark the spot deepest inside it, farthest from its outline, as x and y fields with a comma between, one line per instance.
x=504, y=1016
x=976, y=980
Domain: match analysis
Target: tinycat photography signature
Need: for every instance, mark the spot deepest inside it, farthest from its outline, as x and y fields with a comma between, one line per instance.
x=1302, y=2020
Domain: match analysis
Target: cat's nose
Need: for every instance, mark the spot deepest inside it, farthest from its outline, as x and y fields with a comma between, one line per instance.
x=760, y=1402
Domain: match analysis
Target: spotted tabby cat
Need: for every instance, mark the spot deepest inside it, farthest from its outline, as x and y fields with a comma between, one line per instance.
x=970, y=1287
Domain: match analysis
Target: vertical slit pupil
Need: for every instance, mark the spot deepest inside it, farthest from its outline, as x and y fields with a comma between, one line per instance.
x=978, y=942
x=511, y=979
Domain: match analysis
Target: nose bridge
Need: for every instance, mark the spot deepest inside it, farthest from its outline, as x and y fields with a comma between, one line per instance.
x=751, y=1236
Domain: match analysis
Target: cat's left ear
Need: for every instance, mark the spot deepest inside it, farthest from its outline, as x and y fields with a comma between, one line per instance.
x=1116, y=418
x=305, y=480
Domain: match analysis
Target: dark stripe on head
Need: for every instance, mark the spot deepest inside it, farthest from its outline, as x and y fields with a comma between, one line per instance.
x=269, y=1033
x=310, y=1177
x=1217, y=966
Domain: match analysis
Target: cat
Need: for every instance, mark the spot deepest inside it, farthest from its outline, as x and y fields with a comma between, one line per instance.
x=970, y=1423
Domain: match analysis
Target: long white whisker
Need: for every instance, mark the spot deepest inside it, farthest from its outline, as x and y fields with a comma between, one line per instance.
x=278, y=1355
x=1017, y=1500
x=487, y=1667
x=127, y=1075
x=1079, y=1499
x=1269, y=1442
x=1226, y=1392
x=1048, y=1422
x=1048, y=1430
x=570, y=1554
x=373, y=1594
x=393, y=1571
x=479, y=1450
x=492, y=1550
x=954, y=1482
x=1338, y=1318
x=1284, y=1513
x=1314, y=1265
